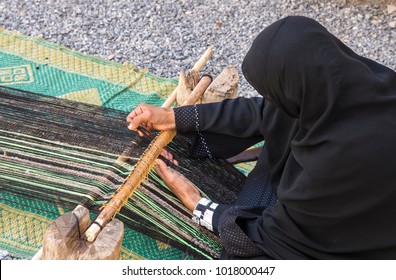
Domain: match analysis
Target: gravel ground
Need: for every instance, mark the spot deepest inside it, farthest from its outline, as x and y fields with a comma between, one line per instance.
x=166, y=36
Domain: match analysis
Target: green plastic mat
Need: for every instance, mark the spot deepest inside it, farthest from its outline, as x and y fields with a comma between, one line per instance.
x=38, y=66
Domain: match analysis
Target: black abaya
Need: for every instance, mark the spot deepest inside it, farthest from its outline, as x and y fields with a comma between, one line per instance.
x=328, y=121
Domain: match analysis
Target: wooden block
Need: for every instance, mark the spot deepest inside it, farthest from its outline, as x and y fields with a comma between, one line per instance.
x=225, y=86
x=62, y=240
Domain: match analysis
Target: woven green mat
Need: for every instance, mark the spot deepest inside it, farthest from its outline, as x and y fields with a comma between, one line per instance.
x=35, y=65
x=39, y=66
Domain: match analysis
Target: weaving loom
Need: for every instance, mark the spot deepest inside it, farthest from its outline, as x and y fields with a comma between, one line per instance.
x=58, y=150
x=58, y=153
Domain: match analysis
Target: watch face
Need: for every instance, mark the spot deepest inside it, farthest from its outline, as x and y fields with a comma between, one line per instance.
x=195, y=219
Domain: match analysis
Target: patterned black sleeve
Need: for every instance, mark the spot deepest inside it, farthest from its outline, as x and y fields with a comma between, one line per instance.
x=187, y=123
x=185, y=119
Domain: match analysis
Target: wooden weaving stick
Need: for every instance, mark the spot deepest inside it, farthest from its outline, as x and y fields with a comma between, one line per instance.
x=141, y=169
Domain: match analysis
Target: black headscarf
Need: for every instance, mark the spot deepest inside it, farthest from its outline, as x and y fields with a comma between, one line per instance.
x=331, y=143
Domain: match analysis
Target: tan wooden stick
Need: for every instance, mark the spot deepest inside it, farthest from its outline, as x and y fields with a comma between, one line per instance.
x=196, y=68
x=141, y=169
x=203, y=60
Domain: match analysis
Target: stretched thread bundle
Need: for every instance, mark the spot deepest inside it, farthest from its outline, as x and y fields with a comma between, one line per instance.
x=57, y=150
x=145, y=163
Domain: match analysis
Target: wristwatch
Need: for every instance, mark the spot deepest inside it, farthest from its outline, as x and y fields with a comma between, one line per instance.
x=203, y=213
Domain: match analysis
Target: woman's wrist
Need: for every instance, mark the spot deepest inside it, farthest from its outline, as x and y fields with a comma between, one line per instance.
x=171, y=119
x=192, y=200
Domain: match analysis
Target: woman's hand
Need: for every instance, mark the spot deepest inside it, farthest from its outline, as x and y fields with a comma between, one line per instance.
x=183, y=188
x=151, y=118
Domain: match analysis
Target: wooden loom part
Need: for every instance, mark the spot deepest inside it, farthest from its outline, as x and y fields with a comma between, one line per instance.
x=195, y=69
x=141, y=169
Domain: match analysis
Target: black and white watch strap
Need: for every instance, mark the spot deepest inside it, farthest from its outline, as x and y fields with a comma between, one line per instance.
x=203, y=213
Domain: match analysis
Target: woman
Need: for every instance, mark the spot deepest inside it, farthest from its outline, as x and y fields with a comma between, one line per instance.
x=328, y=118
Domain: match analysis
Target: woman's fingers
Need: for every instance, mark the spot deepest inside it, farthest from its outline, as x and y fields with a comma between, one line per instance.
x=135, y=112
x=164, y=171
x=151, y=117
x=159, y=167
x=169, y=157
x=141, y=119
x=141, y=116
